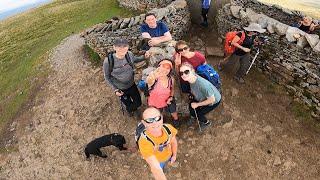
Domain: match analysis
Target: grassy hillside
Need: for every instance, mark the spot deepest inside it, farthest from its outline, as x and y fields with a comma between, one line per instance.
x=26, y=39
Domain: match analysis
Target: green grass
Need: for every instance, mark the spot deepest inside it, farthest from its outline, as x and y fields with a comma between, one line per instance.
x=26, y=39
x=92, y=56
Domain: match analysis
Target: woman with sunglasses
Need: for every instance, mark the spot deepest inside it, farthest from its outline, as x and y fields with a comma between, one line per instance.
x=206, y=97
x=183, y=54
x=161, y=90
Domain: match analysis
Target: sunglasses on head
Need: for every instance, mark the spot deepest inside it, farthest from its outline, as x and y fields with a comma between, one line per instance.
x=186, y=72
x=154, y=119
x=182, y=49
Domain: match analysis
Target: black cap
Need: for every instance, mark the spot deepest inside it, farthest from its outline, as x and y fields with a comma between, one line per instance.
x=121, y=42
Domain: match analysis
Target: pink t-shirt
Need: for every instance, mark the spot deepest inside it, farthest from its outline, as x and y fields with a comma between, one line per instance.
x=159, y=95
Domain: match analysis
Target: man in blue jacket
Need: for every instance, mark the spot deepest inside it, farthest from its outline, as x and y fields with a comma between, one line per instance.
x=204, y=12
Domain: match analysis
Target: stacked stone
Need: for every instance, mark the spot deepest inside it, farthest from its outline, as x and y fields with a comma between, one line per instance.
x=296, y=66
x=142, y=5
x=101, y=36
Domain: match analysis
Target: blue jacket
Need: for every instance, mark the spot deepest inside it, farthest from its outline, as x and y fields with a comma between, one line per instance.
x=206, y=4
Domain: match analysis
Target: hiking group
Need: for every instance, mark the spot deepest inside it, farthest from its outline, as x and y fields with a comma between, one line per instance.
x=155, y=139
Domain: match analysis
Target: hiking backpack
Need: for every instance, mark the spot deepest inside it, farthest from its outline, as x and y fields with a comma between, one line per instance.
x=111, y=61
x=207, y=72
x=141, y=132
x=228, y=47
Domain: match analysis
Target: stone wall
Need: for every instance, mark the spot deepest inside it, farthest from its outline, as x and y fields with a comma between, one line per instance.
x=293, y=63
x=101, y=36
x=142, y=5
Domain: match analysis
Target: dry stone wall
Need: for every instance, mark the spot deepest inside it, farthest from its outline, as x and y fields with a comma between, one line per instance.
x=143, y=5
x=290, y=62
x=101, y=36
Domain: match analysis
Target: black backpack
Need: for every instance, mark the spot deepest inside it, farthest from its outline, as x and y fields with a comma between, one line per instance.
x=111, y=61
x=141, y=132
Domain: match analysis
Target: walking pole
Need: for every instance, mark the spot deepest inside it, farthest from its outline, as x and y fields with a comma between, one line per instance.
x=255, y=57
x=195, y=112
x=121, y=106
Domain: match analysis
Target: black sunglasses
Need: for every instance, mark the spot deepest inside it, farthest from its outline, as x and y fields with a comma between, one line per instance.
x=180, y=50
x=186, y=72
x=154, y=119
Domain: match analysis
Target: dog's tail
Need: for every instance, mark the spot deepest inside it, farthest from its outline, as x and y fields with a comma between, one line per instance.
x=86, y=152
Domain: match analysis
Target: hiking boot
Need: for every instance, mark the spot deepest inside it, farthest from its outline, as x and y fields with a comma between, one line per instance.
x=190, y=121
x=204, y=24
x=220, y=67
x=239, y=79
x=176, y=123
x=205, y=125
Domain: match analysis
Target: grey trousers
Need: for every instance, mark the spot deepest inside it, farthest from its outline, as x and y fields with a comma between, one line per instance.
x=244, y=64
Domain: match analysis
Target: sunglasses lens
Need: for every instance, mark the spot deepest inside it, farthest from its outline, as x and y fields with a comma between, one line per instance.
x=185, y=48
x=154, y=119
x=186, y=72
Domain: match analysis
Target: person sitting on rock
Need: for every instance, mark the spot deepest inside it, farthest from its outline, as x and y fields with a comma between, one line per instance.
x=307, y=25
x=158, y=144
x=206, y=97
x=161, y=93
x=119, y=74
x=242, y=52
x=158, y=32
x=183, y=54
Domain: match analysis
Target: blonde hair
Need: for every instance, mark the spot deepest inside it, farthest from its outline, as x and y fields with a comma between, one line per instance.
x=181, y=42
x=187, y=65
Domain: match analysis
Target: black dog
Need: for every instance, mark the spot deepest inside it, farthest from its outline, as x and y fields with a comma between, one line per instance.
x=114, y=139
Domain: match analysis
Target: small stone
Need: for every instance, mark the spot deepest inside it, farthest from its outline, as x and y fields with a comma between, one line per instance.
x=234, y=92
x=228, y=125
x=259, y=96
x=267, y=129
x=277, y=161
x=178, y=175
x=187, y=155
x=185, y=161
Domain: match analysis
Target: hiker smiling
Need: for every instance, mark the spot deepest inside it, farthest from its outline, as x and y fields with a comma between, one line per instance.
x=157, y=143
x=184, y=54
x=157, y=31
x=119, y=74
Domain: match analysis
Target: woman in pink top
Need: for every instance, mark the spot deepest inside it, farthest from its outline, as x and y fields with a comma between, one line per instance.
x=162, y=90
x=183, y=54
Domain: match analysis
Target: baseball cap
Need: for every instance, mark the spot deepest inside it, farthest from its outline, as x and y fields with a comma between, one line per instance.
x=121, y=42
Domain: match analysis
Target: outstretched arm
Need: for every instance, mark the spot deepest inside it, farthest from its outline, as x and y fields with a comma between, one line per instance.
x=155, y=168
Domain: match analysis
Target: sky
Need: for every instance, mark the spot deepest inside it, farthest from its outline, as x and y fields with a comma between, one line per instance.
x=6, y=5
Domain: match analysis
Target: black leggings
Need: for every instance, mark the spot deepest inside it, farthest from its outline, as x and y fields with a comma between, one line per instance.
x=204, y=14
x=131, y=98
x=202, y=111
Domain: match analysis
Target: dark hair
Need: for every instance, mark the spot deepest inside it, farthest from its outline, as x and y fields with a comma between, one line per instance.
x=180, y=42
x=150, y=14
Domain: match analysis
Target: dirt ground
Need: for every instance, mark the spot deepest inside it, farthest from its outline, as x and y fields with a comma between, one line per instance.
x=261, y=139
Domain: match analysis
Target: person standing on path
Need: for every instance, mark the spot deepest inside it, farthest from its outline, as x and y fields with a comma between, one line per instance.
x=158, y=144
x=204, y=12
x=242, y=52
x=206, y=97
x=119, y=74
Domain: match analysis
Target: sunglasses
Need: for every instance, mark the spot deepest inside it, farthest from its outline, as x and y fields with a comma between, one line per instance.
x=186, y=72
x=183, y=49
x=154, y=119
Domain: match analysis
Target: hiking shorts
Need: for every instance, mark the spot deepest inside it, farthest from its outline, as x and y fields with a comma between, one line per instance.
x=163, y=164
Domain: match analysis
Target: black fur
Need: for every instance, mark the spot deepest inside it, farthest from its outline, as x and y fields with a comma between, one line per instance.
x=94, y=146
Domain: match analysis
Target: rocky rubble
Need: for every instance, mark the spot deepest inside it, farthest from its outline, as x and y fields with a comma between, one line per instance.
x=291, y=62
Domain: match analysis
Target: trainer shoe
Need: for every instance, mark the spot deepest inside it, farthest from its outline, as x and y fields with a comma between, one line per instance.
x=205, y=125
x=176, y=123
x=239, y=79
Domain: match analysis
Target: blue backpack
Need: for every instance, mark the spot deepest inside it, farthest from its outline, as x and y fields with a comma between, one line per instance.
x=206, y=71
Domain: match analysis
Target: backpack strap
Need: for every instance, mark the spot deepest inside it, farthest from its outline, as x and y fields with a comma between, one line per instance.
x=111, y=61
x=243, y=36
x=167, y=131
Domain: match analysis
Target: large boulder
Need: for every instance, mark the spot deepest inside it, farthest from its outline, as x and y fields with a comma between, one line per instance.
x=235, y=11
x=312, y=39
x=280, y=28
x=293, y=34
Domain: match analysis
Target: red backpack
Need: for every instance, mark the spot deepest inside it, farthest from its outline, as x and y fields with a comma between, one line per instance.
x=228, y=48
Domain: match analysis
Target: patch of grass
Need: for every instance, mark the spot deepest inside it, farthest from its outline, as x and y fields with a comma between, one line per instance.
x=26, y=39
x=301, y=110
x=9, y=149
x=93, y=57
